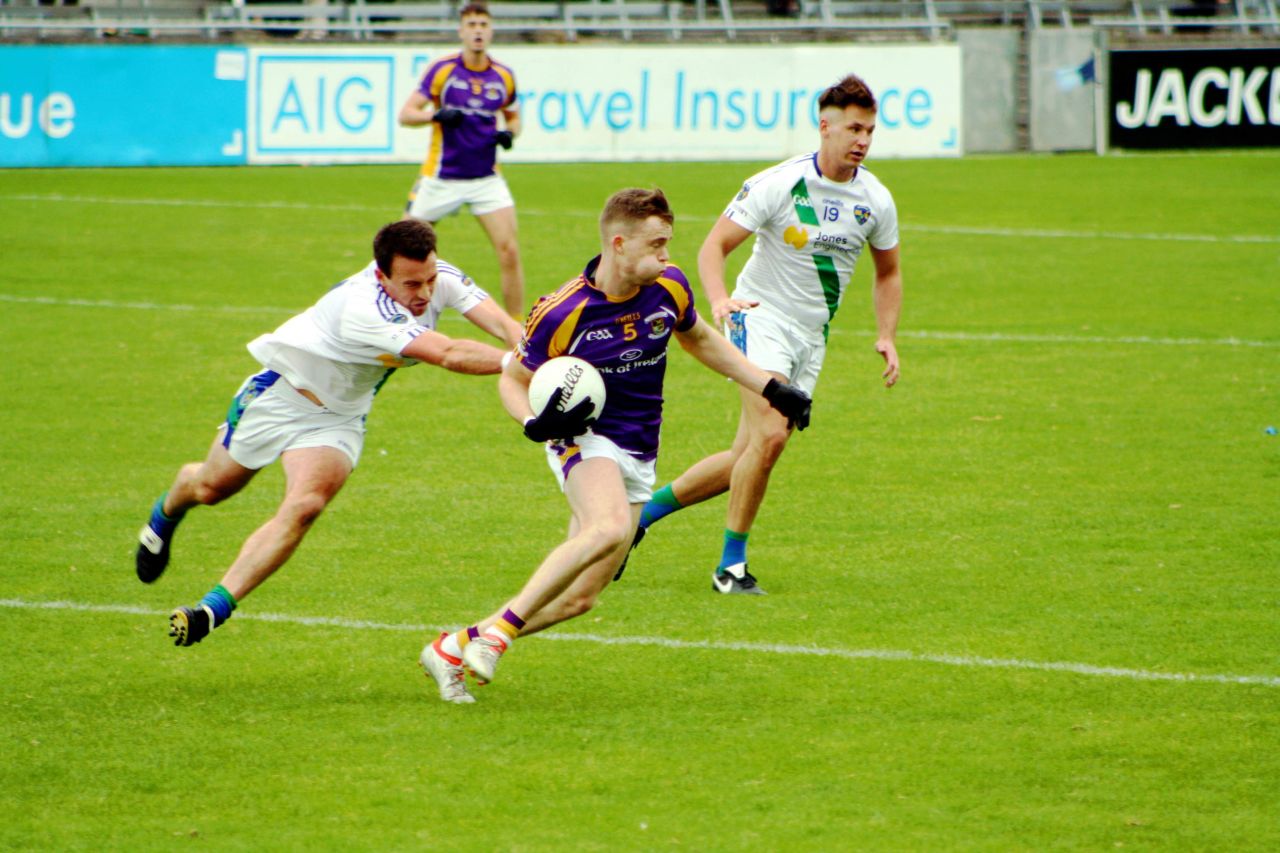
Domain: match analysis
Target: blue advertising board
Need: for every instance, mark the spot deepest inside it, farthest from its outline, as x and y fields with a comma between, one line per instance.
x=154, y=105
x=122, y=106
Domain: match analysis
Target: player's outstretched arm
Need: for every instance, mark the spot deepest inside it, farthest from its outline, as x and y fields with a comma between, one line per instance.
x=492, y=319
x=887, y=297
x=715, y=352
x=726, y=235
x=456, y=354
x=707, y=346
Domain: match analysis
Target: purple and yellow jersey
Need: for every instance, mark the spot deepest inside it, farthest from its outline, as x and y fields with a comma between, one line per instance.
x=468, y=150
x=627, y=342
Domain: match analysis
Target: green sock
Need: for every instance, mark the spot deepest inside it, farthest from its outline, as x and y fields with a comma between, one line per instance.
x=735, y=548
x=221, y=602
x=662, y=504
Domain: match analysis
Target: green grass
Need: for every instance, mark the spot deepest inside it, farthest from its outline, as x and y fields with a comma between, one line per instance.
x=1073, y=469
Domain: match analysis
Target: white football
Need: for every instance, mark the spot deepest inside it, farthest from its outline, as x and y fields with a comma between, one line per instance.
x=579, y=379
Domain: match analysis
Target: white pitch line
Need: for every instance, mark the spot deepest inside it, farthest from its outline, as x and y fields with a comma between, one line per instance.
x=197, y=202
x=908, y=227
x=1062, y=234
x=1084, y=339
x=145, y=306
x=708, y=645
x=998, y=337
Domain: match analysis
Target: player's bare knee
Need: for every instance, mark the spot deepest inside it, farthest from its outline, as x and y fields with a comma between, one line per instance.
x=577, y=605
x=619, y=531
x=209, y=492
x=607, y=535
x=508, y=252
x=304, y=509
x=771, y=442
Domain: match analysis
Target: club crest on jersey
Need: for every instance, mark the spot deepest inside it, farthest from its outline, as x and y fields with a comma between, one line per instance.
x=746, y=191
x=796, y=237
x=399, y=318
x=861, y=213
x=658, y=327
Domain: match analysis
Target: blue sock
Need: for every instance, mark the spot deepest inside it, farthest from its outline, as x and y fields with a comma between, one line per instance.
x=220, y=602
x=735, y=548
x=662, y=504
x=163, y=524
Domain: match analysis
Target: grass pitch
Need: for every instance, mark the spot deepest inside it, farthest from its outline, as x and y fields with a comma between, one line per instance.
x=1025, y=600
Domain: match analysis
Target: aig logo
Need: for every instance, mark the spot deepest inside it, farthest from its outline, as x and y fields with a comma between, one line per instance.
x=321, y=104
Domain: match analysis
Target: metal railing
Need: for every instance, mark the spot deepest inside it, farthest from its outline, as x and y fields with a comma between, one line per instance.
x=669, y=20
x=624, y=19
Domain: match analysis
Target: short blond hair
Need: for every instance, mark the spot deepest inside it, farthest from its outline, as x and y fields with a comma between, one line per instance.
x=634, y=206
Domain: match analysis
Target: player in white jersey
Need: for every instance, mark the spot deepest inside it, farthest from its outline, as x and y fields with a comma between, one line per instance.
x=812, y=217
x=307, y=406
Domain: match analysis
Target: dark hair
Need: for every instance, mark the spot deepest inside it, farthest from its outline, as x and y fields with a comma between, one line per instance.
x=408, y=238
x=636, y=205
x=474, y=9
x=851, y=91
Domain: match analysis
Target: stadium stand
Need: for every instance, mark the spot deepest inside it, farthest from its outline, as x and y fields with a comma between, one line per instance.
x=662, y=20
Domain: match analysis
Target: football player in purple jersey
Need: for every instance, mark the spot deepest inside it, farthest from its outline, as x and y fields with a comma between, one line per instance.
x=620, y=315
x=461, y=96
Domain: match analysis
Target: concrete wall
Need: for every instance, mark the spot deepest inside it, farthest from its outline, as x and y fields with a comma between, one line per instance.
x=989, y=59
x=1061, y=87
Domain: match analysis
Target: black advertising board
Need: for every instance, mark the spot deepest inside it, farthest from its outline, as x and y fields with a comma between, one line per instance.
x=1194, y=98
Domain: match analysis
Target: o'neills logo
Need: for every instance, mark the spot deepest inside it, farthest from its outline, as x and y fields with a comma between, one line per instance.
x=571, y=378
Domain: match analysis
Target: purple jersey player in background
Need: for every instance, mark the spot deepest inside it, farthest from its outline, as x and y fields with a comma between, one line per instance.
x=461, y=96
x=620, y=314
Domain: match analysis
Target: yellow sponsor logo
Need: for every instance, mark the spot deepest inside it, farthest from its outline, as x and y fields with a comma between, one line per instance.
x=796, y=237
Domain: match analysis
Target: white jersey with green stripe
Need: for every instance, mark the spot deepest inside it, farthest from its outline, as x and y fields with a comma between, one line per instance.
x=809, y=231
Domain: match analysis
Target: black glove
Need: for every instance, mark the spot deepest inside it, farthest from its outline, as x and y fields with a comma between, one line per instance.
x=555, y=424
x=504, y=138
x=790, y=401
x=448, y=117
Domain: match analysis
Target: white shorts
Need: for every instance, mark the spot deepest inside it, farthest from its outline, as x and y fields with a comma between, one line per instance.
x=774, y=343
x=638, y=475
x=268, y=416
x=433, y=199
